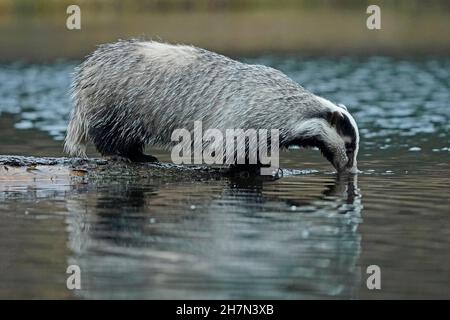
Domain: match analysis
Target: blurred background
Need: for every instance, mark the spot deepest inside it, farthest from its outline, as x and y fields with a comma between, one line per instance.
x=35, y=30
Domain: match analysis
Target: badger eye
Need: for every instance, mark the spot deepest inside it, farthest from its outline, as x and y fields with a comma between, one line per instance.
x=349, y=150
x=348, y=147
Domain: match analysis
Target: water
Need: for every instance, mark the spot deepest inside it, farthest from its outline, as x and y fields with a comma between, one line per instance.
x=307, y=235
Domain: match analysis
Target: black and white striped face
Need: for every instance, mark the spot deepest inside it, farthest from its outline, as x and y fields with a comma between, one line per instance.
x=342, y=142
x=334, y=132
x=348, y=130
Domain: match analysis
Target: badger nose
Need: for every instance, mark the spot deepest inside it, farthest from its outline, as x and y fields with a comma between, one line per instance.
x=347, y=170
x=340, y=168
x=354, y=170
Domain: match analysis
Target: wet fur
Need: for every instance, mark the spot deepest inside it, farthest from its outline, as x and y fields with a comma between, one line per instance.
x=132, y=93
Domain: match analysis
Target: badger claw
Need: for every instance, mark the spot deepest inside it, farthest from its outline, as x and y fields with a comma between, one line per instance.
x=144, y=158
x=117, y=158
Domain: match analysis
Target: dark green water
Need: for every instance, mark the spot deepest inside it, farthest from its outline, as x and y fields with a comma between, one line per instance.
x=307, y=235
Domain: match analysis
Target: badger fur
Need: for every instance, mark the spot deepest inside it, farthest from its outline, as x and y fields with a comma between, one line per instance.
x=132, y=93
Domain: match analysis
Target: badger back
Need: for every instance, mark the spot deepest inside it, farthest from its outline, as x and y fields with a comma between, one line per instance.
x=134, y=90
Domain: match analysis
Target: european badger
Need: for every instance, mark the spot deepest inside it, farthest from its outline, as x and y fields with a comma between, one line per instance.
x=132, y=93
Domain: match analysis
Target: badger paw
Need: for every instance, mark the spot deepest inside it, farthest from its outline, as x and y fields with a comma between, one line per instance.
x=144, y=158
x=117, y=158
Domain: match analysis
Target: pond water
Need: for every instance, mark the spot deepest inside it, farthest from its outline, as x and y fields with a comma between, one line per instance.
x=309, y=234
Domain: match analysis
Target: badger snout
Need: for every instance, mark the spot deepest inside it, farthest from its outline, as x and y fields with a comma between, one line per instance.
x=345, y=164
x=350, y=170
x=347, y=169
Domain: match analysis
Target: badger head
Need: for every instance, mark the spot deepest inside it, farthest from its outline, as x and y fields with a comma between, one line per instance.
x=333, y=131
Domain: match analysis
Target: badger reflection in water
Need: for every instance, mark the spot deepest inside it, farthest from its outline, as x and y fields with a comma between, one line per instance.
x=218, y=239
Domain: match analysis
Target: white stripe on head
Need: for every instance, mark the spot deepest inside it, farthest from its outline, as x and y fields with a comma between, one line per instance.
x=342, y=106
x=343, y=110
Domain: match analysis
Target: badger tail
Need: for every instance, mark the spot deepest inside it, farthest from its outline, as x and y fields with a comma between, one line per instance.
x=77, y=133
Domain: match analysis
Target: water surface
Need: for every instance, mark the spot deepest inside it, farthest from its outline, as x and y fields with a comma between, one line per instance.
x=307, y=235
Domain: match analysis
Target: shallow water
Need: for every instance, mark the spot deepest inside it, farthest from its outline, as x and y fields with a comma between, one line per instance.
x=307, y=235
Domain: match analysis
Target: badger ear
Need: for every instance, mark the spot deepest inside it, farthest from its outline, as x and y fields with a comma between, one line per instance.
x=334, y=117
x=342, y=106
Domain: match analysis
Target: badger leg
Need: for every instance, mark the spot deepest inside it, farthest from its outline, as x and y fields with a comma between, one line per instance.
x=134, y=152
x=245, y=169
x=143, y=158
x=131, y=156
x=109, y=145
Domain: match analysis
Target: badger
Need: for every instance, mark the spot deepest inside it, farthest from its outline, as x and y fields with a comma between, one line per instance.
x=134, y=93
